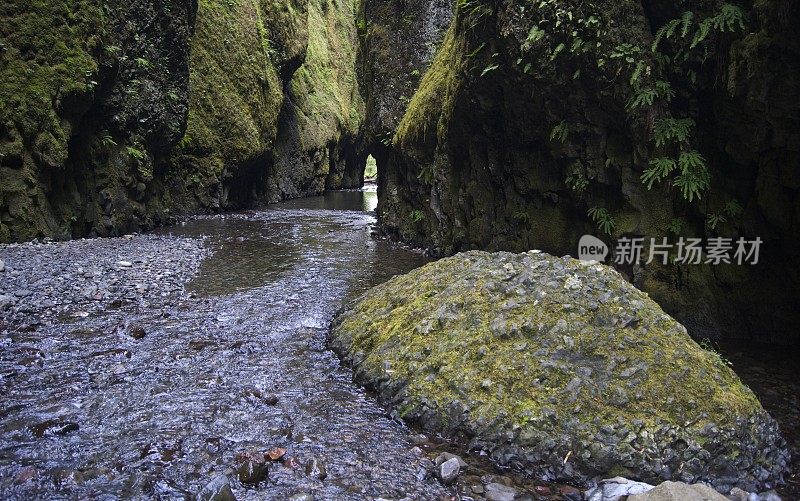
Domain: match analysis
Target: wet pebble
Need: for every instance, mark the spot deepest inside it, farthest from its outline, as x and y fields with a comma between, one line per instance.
x=219, y=489
x=251, y=467
x=315, y=468
x=499, y=492
x=136, y=331
x=53, y=427
x=448, y=471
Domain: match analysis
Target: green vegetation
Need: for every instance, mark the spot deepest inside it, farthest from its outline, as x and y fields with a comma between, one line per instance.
x=325, y=87
x=47, y=74
x=433, y=102
x=603, y=219
x=371, y=170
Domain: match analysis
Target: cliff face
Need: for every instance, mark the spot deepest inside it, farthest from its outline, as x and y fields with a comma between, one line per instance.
x=537, y=124
x=119, y=116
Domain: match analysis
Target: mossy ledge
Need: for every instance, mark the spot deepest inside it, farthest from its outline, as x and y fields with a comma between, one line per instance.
x=560, y=369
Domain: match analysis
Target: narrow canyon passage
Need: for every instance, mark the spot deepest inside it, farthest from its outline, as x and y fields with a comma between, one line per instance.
x=88, y=410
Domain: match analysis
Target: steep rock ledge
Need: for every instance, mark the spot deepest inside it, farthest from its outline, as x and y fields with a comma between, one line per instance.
x=92, y=95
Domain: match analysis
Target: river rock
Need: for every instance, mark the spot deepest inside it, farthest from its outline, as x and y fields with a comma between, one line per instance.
x=252, y=468
x=448, y=471
x=679, y=491
x=136, y=331
x=583, y=377
x=2, y=266
x=499, y=492
x=6, y=301
x=219, y=489
x=614, y=489
x=446, y=456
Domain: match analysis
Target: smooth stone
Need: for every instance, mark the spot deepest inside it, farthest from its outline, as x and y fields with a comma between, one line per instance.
x=136, y=331
x=499, y=492
x=124, y=264
x=303, y=496
x=219, y=489
x=2, y=266
x=448, y=471
x=679, y=491
x=445, y=456
x=613, y=489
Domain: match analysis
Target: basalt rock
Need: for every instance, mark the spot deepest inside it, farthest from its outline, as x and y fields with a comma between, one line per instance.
x=558, y=368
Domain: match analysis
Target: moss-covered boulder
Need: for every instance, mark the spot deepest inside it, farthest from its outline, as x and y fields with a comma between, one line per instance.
x=559, y=368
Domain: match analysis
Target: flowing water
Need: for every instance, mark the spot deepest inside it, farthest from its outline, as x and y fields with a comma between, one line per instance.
x=240, y=367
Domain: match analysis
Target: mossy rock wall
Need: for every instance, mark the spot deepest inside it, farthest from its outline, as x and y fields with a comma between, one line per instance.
x=92, y=94
x=109, y=125
x=558, y=368
x=524, y=122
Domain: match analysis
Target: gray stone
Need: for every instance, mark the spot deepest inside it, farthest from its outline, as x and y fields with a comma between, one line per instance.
x=124, y=264
x=614, y=489
x=136, y=331
x=315, y=468
x=252, y=471
x=441, y=458
x=2, y=266
x=218, y=489
x=448, y=471
x=6, y=301
x=679, y=491
x=303, y=496
x=499, y=492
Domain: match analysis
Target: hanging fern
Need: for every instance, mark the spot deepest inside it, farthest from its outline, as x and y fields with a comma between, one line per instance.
x=602, y=218
x=672, y=129
x=694, y=177
x=661, y=168
x=560, y=132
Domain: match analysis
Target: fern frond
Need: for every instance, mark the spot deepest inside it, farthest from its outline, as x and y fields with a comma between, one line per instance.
x=661, y=168
x=672, y=129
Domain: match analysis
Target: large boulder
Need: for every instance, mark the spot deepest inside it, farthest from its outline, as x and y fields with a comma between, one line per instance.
x=559, y=368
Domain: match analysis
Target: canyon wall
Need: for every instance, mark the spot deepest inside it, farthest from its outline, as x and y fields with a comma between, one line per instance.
x=119, y=116
x=537, y=124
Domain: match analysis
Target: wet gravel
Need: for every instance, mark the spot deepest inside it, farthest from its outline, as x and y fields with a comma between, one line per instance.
x=137, y=368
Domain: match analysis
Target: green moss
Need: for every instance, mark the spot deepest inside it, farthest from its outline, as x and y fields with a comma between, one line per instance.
x=46, y=58
x=47, y=69
x=236, y=93
x=325, y=89
x=432, y=104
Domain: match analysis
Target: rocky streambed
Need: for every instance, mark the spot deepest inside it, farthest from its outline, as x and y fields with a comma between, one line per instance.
x=157, y=366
